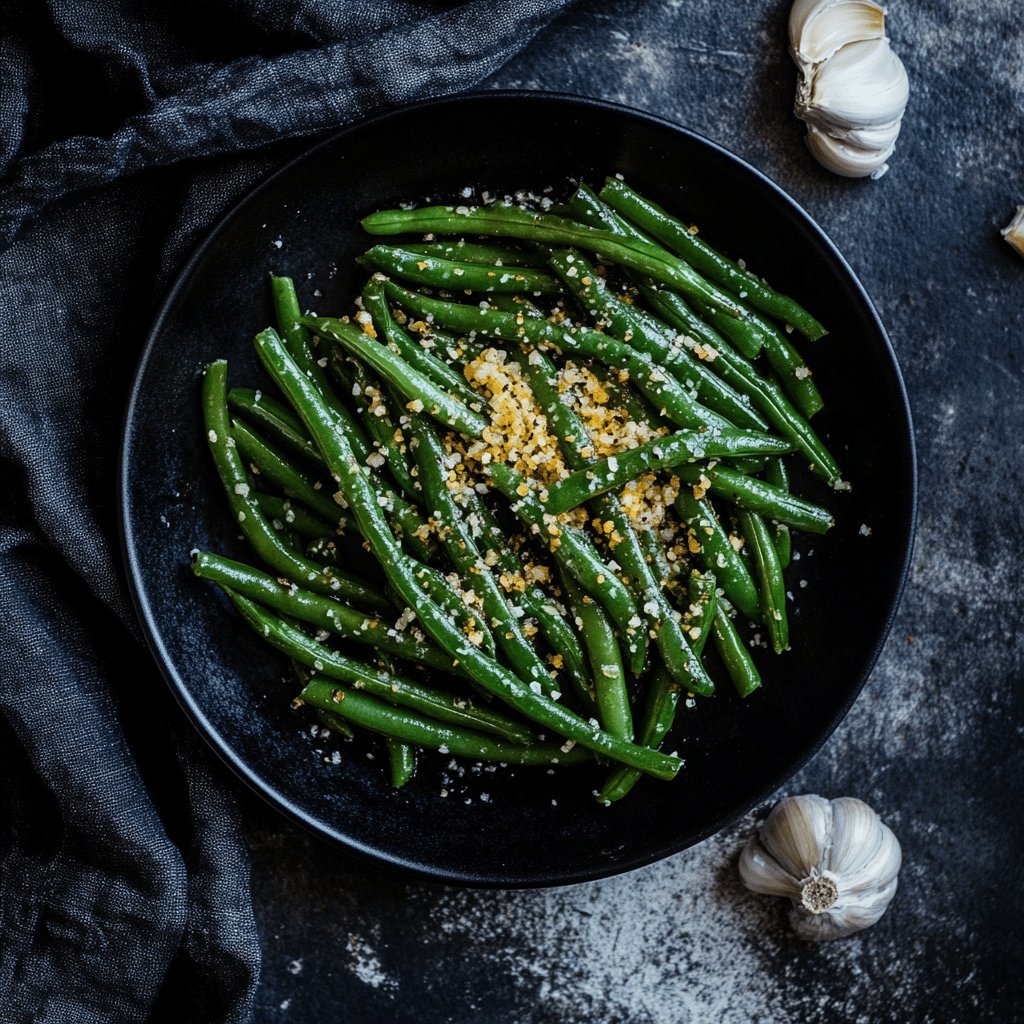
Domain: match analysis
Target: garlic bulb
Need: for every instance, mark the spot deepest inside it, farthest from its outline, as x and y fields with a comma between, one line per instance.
x=1014, y=231
x=834, y=859
x=852, y=90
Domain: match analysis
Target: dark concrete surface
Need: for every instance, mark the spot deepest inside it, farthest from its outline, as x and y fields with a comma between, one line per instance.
x=933, y=743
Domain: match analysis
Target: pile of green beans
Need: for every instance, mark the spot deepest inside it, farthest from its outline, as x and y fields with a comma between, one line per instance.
x=548, y=601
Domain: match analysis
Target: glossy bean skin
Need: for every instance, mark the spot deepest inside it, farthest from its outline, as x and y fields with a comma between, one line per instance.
x=744, y=376
x=777, y=475
x=422, y=359
x=401, y=762
x=606, y=669
x=297, y=339
x=398, y=723
x=420, y=393
x=734, y=654
x=613, y=471
x=478, y=252
x=376, y=408
x=246, y=511
x=276, y=420
x=431, y=271
x=710, y=543
x=771, y=585
x=755, y=495
x=702, y=257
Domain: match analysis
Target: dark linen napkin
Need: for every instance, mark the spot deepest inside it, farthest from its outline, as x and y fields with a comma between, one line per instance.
x=125, y=129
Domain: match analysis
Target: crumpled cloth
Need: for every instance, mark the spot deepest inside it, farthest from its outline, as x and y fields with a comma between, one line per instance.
x=124, y=891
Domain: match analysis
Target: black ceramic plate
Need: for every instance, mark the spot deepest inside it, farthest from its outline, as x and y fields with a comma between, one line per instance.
x=524, y=827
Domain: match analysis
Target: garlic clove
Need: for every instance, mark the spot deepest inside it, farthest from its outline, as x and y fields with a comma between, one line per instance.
x=762, y=873
x=863, y=84
x=1014, y=231
x=845, y=159
x=880, y=139
x=796, y=832
x=864, y=853
x=818, y=28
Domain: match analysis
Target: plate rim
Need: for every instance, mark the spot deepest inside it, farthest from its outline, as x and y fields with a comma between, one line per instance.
x=262, y=786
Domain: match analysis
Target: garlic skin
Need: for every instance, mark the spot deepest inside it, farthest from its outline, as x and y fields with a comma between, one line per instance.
x=1014, y=231
x=853, y=89
x=835, y=860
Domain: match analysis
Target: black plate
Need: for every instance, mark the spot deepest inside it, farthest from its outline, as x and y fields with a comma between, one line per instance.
x=535, y=829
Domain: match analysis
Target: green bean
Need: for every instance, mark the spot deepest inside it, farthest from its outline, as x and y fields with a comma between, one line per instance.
x=401, y=761
x=637, y=328
x=793, y=372
x=734, y=654
x=769, y=575
x=419, y=358
x=776, y=474
x=376, y=716
x=372, y=406
x=462, y=549
x=716, y=553
x=702, y=589
x=614, y=471
x=686, y=242
x=564, y=643
x=575, y=553
x=489, y=674
x=743, y=376
x=421, y=393
x=664, y=693
x=246, y=512
x=279, y=421
x=560, y=636
x=316, y=610
x=272, y=465
x=758, y=496
x=514, y=222
x=515, y=304
x=453, y=708
x=436, y=272
x=477, y=252
x=292, y=516
x=440, y=590
x=299, y=345
x=588, y=208
x=606, y=669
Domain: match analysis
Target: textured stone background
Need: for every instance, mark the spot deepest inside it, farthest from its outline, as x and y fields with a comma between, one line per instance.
x=934, y=742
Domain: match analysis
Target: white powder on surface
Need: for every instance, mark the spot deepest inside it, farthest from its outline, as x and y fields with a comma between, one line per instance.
x=365, y=965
